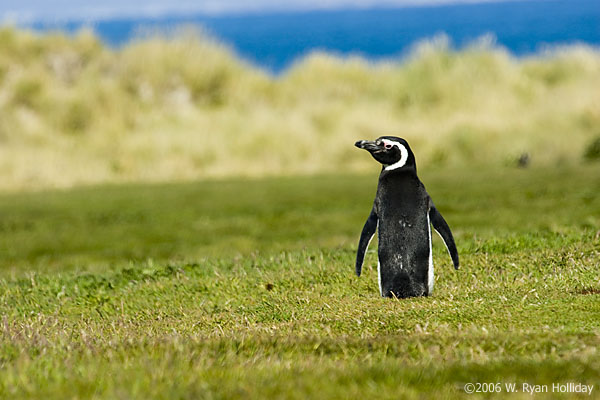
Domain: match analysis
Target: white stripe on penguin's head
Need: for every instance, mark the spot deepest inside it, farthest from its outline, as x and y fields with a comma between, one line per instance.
x=403, y=154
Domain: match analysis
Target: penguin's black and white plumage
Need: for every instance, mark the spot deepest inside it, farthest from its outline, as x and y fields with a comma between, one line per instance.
x=402, y=214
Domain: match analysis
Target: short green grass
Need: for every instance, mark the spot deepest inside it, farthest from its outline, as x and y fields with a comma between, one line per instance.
x=245, y=289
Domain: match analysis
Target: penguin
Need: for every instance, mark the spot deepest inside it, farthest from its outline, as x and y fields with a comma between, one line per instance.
x=402, y=213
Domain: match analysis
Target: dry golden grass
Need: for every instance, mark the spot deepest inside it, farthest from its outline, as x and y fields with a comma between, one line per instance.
x=176, y=108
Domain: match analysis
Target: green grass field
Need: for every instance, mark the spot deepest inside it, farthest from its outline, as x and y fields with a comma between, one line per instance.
x=245, y=289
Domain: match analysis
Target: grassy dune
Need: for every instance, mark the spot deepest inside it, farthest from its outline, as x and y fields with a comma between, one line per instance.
x=73, y=111
x=245, y=289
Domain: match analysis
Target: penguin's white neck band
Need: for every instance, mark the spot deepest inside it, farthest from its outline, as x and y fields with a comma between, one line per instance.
x=403, y=155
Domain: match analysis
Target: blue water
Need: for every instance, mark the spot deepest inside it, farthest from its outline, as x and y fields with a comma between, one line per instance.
x=274, y=41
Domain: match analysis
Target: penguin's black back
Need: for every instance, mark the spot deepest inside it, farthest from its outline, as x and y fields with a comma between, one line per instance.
x=402, y=206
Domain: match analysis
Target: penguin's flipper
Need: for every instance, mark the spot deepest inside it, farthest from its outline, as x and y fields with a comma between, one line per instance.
x=442, y=228
x=365, y=238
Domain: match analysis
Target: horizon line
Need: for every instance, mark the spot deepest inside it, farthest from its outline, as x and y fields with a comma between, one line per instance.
x=99, y=14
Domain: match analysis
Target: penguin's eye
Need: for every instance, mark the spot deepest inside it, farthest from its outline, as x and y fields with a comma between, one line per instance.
x=387, y=146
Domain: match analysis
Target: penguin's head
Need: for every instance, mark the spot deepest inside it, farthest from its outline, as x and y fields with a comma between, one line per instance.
x=391, y=151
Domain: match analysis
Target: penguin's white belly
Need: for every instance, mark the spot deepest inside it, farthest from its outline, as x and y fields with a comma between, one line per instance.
x=379, y=276
x=430, y=277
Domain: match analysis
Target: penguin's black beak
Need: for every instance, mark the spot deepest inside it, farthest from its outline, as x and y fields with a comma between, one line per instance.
x=368, y=145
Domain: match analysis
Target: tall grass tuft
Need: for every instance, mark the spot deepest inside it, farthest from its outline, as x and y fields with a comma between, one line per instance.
x=183, y=106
